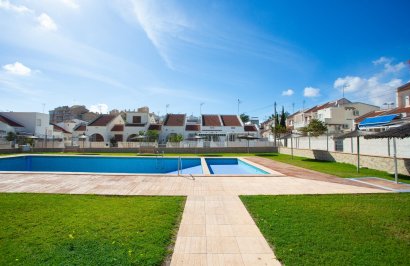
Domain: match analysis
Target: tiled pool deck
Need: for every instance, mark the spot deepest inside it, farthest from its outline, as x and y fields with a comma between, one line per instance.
x=216, y=228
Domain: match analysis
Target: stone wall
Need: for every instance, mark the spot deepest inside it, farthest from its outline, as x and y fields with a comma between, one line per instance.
x=374, y=162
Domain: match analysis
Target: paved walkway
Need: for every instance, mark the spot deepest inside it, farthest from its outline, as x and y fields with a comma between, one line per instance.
x=216, y=229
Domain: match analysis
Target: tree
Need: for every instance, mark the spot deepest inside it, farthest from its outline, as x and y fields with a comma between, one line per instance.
x=244, y=118
x=315, y=128
x=11, y=136
x=152, y=135
x=283, y=118
x=176, y=138
x=279, y=128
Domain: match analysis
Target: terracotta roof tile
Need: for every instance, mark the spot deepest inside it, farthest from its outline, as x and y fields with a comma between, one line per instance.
x=193, y=127
x=135, y=125
x=404, y=87
x=102, y=120
x=9, y=122
x=399, y=110
x=60, y=129
x=118, y=127
x=175, y=120
x=249, y=128
x=231, y=121
x=211, y=121
x=80, y=128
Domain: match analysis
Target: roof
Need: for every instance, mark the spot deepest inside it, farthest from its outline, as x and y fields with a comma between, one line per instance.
x=353, y=134
x=80, y=128
x=292, y=115
x=395, y=132
x=102, y=120
x=9, y=122
x=175, y=120
x=211, y=121
x=135, y=125
x=399, y=110
x=155, y=127
x=193, y=127
x=249, y=128
x=231, y=121
x=59, y=129
x=377, y=121
x=404, y=87
x=118, y=127
x=328, y=105
x=369, y=114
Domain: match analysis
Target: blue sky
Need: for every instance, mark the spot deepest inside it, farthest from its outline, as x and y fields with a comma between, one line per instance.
x=124, y=54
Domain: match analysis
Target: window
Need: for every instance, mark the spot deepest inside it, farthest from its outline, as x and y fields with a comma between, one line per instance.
x=136, y=119
x=355, y=112
x=38, y=122
x=338, y=144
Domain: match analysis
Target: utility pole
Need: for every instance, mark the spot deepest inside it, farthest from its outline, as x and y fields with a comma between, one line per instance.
x=239, y=102
x=293, y=108
x=166, y=108
x=303, y=106
x=44, y=106
x=274, y=124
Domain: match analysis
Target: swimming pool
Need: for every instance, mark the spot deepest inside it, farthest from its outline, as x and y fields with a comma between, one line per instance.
x=230, y=166
x=100, y=164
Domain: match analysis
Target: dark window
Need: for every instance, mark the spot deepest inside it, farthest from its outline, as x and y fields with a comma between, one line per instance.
x=118, y=137
x=338, y=144
x=136, y=119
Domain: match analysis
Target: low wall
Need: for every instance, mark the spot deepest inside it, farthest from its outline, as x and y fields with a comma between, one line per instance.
x=374, y=162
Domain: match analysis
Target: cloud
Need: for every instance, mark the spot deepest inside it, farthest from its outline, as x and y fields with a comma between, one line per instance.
x=311, y=92
x=46, y=22
x=379, y=87
x=5, y=4
x=288, y=92
x=159, y=24
x=101, y=108
x=71, y=3
x=388, y=66
x=17, y=69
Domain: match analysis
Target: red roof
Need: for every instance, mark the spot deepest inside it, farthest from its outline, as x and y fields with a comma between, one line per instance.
x=9, y=122
x=211, y=121
x=398, y=110
x=102, y=120
x=250, y=128
x=80, y=128
x=118, y=127
x=231, y=121
x=193, y=127
x=404, y=87
x=174, y=120
x=60, y=129
x=154, y=127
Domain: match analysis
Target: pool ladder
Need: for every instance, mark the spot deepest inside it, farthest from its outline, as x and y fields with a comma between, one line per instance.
x=179, y=165
x=159, y=160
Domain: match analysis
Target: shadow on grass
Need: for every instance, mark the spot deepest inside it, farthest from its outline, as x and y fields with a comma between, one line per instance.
x=266, y=154
x=316, y=161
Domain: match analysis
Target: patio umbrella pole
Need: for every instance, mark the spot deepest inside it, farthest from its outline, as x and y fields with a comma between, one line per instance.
x=395, y=161
x=358, y=154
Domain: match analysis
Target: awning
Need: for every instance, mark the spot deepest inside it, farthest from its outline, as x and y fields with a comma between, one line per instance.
x=377, y=121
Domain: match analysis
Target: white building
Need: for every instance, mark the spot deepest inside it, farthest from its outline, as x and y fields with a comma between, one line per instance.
x=338, y=115
x=36, y=124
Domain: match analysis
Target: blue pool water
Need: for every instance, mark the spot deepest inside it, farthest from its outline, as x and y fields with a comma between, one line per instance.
x=100, y=164
x=230, y=166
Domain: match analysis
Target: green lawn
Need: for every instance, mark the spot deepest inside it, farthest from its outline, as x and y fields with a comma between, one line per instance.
x=338, y=169
x=335, y=229
x=47, y=229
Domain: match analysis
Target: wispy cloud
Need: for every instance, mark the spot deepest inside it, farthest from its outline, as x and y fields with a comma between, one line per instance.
x=288, y=92
x=379, y=87
x=5, y=4
x=17, y=68
x=71, y=3
x=46, y=22
x=311, y=92
x=101, y=108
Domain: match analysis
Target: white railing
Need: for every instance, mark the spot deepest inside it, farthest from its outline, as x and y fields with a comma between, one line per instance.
x=136, y=144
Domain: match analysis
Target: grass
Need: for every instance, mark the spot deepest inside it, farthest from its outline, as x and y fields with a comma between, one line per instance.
x=335, y=229
x=47, y=229
x=338, y=169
